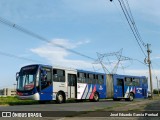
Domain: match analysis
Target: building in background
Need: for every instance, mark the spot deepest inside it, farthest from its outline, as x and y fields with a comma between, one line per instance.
x=7, y=92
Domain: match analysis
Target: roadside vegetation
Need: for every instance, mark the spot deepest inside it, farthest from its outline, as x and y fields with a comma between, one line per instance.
x=15, y=101
x=10, y=100
x=156, y=91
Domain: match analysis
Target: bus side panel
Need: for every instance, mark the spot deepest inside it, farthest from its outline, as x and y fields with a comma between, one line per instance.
x=129, y=89
x=86, y=91
x=139, y=92
x=46, y=94
x=81, y=89
x=101, y=89
x=144, y=92
x=59, y=86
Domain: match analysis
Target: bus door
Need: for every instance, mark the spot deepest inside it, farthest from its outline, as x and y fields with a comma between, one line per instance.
x=45, y=84
x=120, y=88
x=72, y=86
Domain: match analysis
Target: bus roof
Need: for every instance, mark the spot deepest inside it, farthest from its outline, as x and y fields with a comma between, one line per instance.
x=118, y=75
x=86, y=71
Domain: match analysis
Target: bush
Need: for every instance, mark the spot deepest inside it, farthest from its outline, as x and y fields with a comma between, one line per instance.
x=155, y=91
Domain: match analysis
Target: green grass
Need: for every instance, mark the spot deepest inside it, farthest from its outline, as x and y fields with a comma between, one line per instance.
x=15, y=101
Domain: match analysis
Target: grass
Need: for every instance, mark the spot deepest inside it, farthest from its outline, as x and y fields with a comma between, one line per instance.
x=15, y=101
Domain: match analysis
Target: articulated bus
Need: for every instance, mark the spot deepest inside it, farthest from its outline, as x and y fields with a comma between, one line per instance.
x=47, y=83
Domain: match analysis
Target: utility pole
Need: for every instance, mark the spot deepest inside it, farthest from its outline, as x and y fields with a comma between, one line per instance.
x=150, y=73
x=157, y=86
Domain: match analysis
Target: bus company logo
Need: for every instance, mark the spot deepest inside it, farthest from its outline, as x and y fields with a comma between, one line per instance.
x=139, y=88
x=100, y=87
x=6, y=114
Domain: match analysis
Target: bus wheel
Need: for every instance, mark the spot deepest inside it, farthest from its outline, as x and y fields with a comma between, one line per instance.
x=130, y=97
x=59, y=98
x=96, y=97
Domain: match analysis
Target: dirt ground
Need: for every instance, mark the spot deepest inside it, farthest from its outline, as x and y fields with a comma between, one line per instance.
x=139, y=105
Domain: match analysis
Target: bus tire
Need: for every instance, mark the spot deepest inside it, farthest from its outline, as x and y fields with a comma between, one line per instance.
x=131, y=97
x=60, y=98
x=96, y=97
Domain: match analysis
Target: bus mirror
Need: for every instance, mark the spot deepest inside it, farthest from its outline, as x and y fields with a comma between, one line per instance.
x=17, y=76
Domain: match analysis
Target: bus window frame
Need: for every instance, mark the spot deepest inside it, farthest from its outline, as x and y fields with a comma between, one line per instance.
x=58, y=77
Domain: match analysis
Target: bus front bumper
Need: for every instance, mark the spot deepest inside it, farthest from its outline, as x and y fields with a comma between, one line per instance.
x=30, y=97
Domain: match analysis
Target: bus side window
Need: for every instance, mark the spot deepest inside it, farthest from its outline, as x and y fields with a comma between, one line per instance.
x=96, y=79
x=80, y=77
x=119, y=82
x=83, y=78
x=100, y=79
x=144, y=81
x=137, y=81
x=90, y=78
x=128, y=81
x=133, y=82
x=58, y=75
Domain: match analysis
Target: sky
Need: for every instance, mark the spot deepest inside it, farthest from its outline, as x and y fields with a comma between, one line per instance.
x=85, y=26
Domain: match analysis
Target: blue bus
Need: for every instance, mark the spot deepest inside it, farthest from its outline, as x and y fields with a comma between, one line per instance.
x=126, y=87
x=46, y=83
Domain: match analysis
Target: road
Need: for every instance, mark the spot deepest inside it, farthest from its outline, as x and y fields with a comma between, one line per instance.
x=81, y=108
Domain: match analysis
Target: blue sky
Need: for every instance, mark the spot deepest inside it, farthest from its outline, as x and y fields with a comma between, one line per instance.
x=86, y=26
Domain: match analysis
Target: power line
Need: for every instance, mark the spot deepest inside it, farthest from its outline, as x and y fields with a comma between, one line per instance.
x=140, y=62
x=18, y=57
x=21, y=29
x=131, y=28
x=132, y=25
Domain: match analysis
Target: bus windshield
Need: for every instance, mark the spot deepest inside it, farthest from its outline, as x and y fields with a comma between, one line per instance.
x=26, y=79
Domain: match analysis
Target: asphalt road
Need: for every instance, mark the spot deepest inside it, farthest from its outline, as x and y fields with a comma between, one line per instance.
x=78, y=106
x=62, y=109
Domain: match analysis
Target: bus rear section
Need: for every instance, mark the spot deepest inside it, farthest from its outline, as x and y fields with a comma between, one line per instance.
x=126, y=87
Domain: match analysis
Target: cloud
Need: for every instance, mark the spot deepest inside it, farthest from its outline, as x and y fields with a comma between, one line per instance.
x=156, y=57
x=59, y=56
